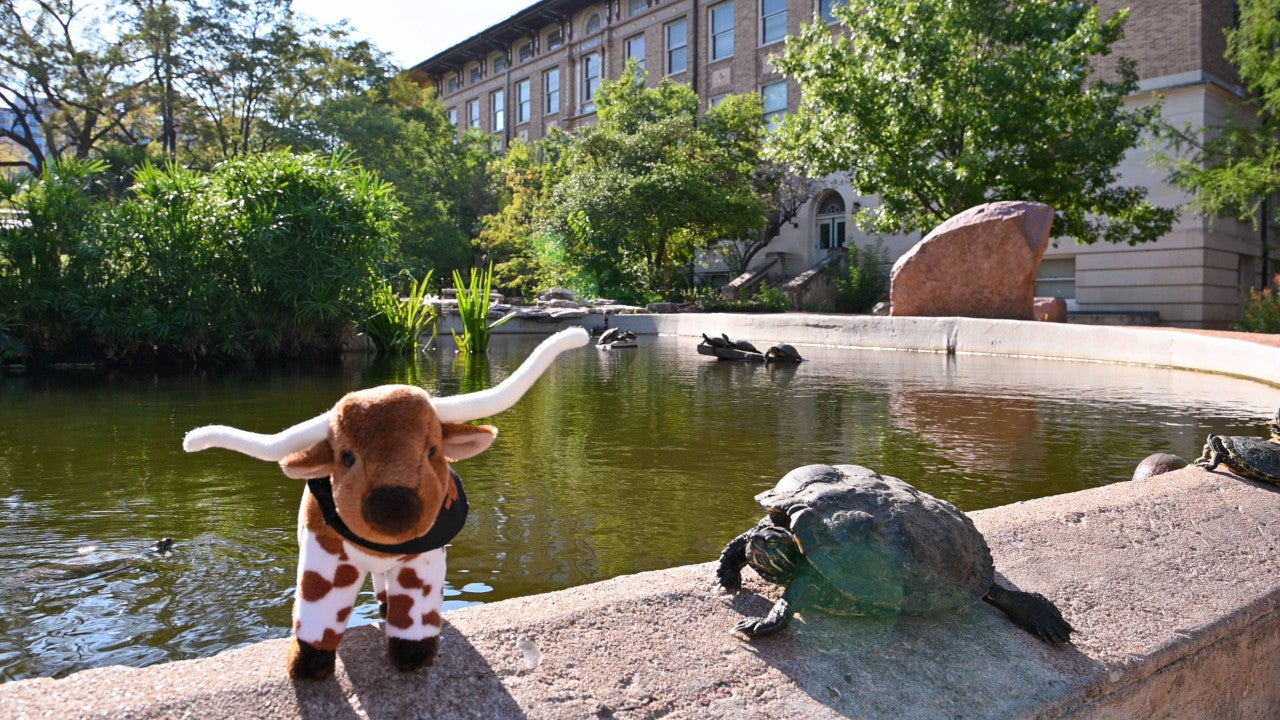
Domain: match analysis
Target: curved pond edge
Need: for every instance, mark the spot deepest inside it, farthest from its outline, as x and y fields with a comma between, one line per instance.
x=1061, y=341
x=1172, y=584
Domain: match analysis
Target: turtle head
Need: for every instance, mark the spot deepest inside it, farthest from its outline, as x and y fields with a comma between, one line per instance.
x=772, y=551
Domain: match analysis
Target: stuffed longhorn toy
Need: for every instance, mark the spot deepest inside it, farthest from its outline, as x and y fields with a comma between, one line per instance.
x=381, y=499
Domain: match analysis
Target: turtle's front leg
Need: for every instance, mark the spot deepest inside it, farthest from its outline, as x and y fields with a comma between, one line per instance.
x=732, y=560
x=1212, y=454
x=778, y=618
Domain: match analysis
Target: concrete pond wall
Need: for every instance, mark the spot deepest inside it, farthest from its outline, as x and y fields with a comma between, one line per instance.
x=1172, y=584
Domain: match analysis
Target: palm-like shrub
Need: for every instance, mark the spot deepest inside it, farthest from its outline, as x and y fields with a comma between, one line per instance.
x=399, y=323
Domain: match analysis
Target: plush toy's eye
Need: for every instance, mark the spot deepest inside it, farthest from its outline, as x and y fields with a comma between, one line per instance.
x=348, y=458
x=431, y=452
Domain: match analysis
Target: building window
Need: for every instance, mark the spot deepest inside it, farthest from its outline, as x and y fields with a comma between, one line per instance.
x=499, y=63
x=722, y=31
x=1057, y=278
x=827, y=8
x=830, y=220
x=555, y=39
x=773, y=21
x=551, y=91
x=590, y=81
x=677, y=47
x=715, y=101
x=635, y=49
x=498, y=111
x=635, y=7
x=453, y=117
x=451, y=84
x=473, y=114
x=477, y=72
x=593, y=25
x=524, y=101
x=525, y=52
x=774, y=96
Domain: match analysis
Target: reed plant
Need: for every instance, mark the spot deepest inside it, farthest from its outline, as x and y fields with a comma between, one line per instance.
x=473, y=306
x=398, y=324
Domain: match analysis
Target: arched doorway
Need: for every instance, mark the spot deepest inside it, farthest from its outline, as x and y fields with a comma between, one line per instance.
x=831, y=221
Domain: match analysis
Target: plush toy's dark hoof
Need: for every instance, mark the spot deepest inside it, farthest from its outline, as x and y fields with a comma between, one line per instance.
x=409, y=655
x=307, y=662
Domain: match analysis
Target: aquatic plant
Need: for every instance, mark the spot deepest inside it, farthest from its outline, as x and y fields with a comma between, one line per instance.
x=473, y=305
x=398, y=324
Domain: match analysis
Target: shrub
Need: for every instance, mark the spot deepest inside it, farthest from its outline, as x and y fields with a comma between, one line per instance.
x=269, y=255
x=865, y=281
x=766, y=300
x=1262, y=310
x=399, y=323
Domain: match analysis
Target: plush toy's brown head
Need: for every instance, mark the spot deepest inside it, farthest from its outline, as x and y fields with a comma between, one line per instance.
x=388, y=454
x=388, y=448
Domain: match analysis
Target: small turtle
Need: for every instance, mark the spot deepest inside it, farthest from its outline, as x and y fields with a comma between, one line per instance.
x=1249, y=457
x=720, y=342
x=782, y=353
x=744, y=346
x=846, y=540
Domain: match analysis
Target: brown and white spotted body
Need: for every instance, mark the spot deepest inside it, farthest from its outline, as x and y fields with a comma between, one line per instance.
x=381, y=500
x=409, y=588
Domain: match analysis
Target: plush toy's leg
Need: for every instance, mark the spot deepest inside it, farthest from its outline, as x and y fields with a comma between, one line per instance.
x=327, y=587
x=380, y=592
x=415, y=592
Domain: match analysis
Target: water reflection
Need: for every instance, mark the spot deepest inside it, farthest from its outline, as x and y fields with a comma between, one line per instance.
x=615, y=462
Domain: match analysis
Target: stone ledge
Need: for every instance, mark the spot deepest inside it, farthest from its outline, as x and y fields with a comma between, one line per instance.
x=1171, y=583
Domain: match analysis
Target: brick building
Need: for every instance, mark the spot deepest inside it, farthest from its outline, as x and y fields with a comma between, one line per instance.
x=541, y=67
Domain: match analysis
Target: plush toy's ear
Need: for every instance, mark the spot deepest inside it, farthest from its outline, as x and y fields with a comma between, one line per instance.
x=464, y=441
x=316, y=461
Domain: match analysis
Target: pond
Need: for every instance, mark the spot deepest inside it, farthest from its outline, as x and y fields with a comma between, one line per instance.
x=614, y=463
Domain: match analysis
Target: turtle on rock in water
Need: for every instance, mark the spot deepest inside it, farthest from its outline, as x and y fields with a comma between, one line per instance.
x=1249, y=457
x=846, y=540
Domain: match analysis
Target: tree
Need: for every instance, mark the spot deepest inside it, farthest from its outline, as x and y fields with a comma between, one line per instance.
x=66, y=86
x=399, y=131
x=937, y=106
x=1234, y=168
x=652, y=181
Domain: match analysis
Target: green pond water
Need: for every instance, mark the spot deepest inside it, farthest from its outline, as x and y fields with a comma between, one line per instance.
x=614, y=463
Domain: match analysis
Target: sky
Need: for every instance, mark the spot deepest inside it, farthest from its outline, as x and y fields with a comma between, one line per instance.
x=412, y=30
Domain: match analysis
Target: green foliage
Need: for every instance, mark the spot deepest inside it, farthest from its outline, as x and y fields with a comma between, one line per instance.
x=1235, y=167
x=473, y=306
x=271, y=255
x=399, y=323
x=767, y=299
x=1262, y=310
x=652, y=181
x=49, y=259
x=397, y=129
x=866, y=279
x=937, y=106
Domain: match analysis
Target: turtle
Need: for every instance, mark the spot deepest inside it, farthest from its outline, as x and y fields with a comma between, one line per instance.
x=782, y=353
x=720, y=342
x=1254, y=458
x=847, y=540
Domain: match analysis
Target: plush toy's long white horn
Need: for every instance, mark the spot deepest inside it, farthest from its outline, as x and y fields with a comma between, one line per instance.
x=476, y=405
x=459, y=408
x=263, y=447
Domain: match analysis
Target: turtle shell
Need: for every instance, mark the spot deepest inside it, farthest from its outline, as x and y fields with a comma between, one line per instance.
x=880, y=542
x=1254, y=458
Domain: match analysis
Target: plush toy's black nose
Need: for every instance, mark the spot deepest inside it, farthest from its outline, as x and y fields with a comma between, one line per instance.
x=392, y=509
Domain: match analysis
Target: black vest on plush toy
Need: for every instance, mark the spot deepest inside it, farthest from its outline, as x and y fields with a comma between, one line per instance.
x=448, y=523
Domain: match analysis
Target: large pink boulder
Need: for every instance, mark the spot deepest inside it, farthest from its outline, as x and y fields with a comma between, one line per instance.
x=980, y=263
